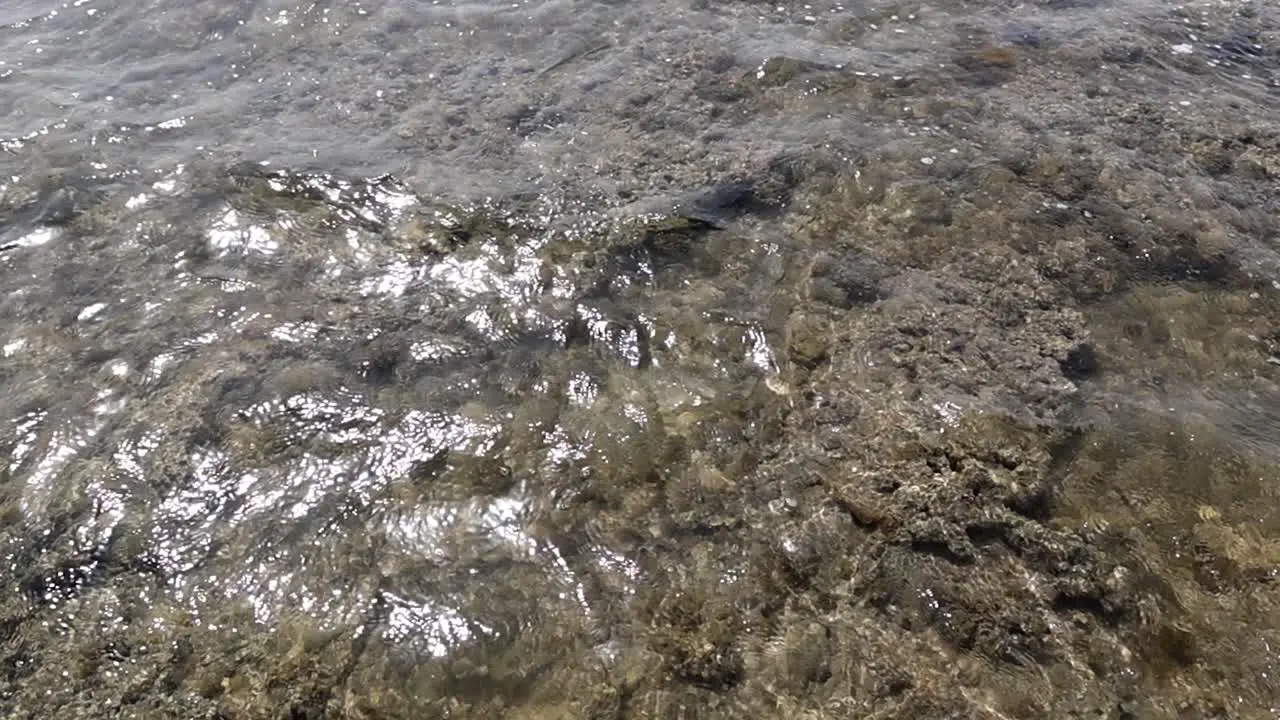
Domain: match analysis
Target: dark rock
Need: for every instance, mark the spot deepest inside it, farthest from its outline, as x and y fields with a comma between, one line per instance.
x=1081, y=363
x=846, y=282
x=988, y=66
x=519, y=115
x=780, y=70
x=381, y=357
x=725, y=202
x=1025, y=36
x=1239, y=49
x=236, y=391
x=60, y=208
x=717, y=90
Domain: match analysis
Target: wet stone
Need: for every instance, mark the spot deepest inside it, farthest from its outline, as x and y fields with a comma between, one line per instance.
x=723, y=202
x=847, y=281
x=1244, y=49
x=1026, y=35
x=803, y=389
x=1081, y=363
x=988, y=66
x=60, y=208
x=781, y=70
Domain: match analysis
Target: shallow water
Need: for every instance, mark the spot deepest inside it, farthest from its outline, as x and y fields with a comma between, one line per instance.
x=362, y=357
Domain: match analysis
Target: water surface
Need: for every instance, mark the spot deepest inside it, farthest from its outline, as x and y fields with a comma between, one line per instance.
x=654, y=359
